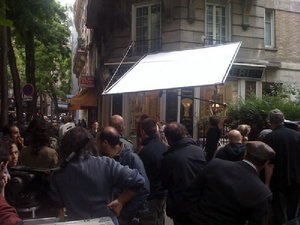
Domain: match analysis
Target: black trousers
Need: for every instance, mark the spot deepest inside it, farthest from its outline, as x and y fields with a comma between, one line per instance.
x=285, y=205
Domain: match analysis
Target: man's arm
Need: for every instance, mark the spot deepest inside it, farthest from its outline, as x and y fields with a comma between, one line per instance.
x=268, y=174
x=117, y=204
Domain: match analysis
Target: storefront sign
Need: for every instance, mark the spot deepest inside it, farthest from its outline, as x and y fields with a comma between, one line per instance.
x=87, y=81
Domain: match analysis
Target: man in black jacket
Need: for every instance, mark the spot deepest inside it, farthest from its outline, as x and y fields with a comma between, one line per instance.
x=151, y=154
x=234, y=150
x=231, y=193
x=285, y=180
x=180, y=165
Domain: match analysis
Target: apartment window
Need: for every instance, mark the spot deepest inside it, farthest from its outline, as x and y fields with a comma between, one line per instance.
x=147, y=27
x=217, y=23
x=269, y=28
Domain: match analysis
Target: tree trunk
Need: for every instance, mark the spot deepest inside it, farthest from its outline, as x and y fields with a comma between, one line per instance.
x=3, y=69
x=30, y=71
x=15, y=78
x=54, y=100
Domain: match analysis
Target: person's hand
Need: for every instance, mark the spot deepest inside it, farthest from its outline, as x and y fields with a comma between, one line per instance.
x=3, y=177
x=20, y=141
x=3, y=181
x=116, y=206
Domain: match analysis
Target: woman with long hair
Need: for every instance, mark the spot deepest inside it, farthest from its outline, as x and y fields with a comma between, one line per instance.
x=38, y=153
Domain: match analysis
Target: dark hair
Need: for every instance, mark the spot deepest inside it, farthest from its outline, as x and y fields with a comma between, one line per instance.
x=149, y=125
x=6, y=130
x=39, y=134
x=113, y=138
x=77, y=140
x=143, y=116
x=8, y=143
x=258, y=152
x=174, y=132
x=214, y=120
x=4, y=151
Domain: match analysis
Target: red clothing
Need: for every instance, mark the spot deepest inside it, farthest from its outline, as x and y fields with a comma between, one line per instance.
x=8, y=214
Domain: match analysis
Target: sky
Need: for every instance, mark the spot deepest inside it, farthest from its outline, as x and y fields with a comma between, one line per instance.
x=67, y=2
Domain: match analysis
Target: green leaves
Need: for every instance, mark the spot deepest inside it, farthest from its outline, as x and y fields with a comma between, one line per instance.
x=254, y=111
x=47, y=20
x=5, y=22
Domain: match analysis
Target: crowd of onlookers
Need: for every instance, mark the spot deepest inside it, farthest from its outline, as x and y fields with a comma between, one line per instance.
x=97, y=172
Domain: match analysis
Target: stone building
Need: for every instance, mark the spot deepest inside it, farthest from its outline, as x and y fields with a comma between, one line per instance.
x=119, y=33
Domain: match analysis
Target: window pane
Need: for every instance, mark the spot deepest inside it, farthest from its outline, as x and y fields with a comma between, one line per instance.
x=155, y=28
x=268, y=16
x=250, y=88
x=269, y=32
x=209, y=24
x=216, y=23
x=147, y=28
x=141, y=28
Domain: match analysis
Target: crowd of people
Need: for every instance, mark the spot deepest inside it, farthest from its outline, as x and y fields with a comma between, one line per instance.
x=99, y=172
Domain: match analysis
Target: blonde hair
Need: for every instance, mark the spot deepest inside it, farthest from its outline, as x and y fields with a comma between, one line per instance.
x=244, y=129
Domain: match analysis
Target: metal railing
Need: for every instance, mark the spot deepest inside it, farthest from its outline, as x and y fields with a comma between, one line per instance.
x=145, y=46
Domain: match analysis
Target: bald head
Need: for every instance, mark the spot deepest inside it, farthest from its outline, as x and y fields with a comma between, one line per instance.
x=234, y=136
x=258, y=153
x=110, y=134
x=117, y=122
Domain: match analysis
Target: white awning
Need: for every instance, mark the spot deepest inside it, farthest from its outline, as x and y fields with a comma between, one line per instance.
x=178, y=69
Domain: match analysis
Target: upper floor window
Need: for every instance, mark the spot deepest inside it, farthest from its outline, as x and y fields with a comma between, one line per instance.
x=146, y=29
x=217, y=23
x=269, y=28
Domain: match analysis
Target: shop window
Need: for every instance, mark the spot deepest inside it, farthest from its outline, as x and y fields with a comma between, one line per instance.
x=171, y=106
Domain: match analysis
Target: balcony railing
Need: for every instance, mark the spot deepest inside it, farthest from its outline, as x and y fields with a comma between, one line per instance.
x=142, y=47
x=210, y=41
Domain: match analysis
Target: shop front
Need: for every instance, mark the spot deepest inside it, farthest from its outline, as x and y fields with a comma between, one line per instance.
x=171, y=86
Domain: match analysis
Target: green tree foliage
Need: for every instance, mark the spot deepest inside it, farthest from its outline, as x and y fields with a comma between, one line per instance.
x=254, y=111
x=40, y=33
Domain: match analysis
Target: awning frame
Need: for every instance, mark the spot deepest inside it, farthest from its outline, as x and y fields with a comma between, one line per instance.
x=178, y=69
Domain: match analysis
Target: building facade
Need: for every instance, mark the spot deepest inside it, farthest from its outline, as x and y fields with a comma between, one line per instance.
x=120, y=33
x=84, y=100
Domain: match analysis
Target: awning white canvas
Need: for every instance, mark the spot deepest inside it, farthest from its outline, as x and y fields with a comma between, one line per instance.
x=177, y=69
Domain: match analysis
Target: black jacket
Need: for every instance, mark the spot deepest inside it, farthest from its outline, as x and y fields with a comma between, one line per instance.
x=227, y=193
x=286, y=144
x=151, y=155
x=180, y=165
